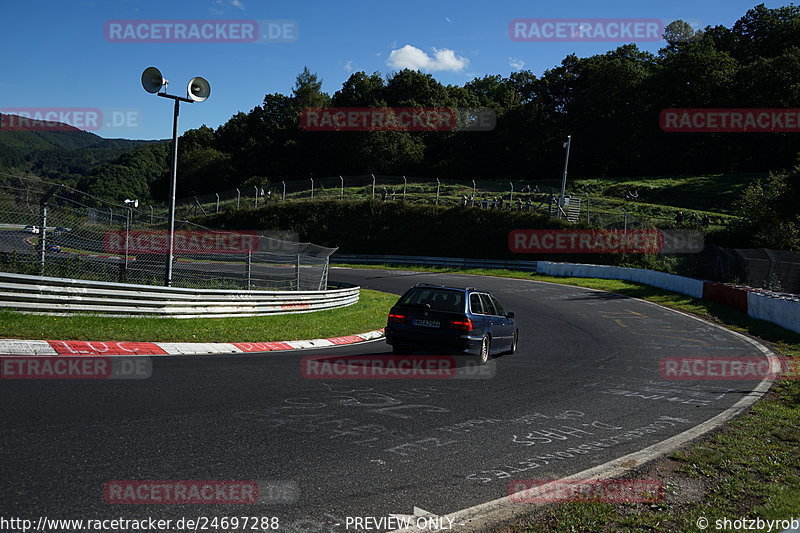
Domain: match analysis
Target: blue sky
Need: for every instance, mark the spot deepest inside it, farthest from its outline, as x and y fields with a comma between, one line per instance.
x=56, y=55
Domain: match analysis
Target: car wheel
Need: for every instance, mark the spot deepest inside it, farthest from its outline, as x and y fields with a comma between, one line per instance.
x=486, y=346
x=514, y=340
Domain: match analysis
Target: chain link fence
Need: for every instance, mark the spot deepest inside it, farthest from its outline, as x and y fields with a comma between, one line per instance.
x=52, y=230
x=478, y=193
x=774, y=270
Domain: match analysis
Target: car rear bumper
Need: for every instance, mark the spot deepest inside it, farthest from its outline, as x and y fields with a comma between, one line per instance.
x=464, y=343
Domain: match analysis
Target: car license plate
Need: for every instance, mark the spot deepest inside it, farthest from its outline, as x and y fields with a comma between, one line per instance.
x=426, y=323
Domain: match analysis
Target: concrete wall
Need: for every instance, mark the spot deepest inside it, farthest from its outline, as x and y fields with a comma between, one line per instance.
x=670, y=282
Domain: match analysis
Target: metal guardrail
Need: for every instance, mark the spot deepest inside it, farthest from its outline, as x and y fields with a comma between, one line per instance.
x=62, y=296
x=412, y=260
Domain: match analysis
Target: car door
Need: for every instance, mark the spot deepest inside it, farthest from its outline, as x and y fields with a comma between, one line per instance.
x=506, y=324
x=500, y=340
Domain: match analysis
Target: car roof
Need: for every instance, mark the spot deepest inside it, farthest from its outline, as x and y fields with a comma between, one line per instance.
x=449, y=287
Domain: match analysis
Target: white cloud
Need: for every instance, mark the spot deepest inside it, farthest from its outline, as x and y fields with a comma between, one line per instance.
x=516, y=64
x=225, y=4
x=415, y=59
x=448, y=20
x=348, y=66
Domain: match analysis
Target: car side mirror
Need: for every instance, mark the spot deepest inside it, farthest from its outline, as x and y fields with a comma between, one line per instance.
x=510, y=315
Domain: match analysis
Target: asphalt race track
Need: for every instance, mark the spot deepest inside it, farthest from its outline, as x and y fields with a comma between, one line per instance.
x=586, y=373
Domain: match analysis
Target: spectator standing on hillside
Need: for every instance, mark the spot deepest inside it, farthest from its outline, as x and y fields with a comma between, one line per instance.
x=679, y=217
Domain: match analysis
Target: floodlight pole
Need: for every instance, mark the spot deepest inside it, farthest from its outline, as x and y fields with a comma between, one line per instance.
x=173, y=181
x=564, y=177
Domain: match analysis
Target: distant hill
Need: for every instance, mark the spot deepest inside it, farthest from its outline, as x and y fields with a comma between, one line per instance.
x=56, y=150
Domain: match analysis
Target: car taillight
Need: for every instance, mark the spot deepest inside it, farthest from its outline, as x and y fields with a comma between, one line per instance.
x=465, y=325
x=396, y=318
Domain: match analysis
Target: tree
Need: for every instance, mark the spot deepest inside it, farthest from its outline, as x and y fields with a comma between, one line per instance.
x=769, y=211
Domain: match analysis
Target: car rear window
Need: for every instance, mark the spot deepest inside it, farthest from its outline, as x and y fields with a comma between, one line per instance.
x=438, y=299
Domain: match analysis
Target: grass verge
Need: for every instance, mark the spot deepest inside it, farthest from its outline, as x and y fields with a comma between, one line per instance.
x=750, y=468
x=368, y=314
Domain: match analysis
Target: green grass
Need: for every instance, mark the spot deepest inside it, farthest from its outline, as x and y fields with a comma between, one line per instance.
x=714, y=193
x=368, y=314
x=659, y=197
x=749, y=468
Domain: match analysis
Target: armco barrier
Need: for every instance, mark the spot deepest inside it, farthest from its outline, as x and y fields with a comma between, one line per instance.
x=670, y=282
x=418, y=260
x=60, y=296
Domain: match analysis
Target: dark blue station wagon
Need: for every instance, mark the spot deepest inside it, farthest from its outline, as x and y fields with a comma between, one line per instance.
x=437, y=318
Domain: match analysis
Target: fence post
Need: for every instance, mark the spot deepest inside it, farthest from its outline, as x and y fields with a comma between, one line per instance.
x=151, y=214
x=111, y=216
x=312, y=187
x=511, y=199
x=473, y=192
x=238, y=197
x=588, y=206
x=284, y=191
x=437, y=191
x=256, y=197
x=373, y=186
x=297, y=271
x=341, y=194
x=127, y=240
x=323, y=282
x=42, y=238
x=405, y=182
x=625, y=223
x=217, y=201
x=249, y=268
